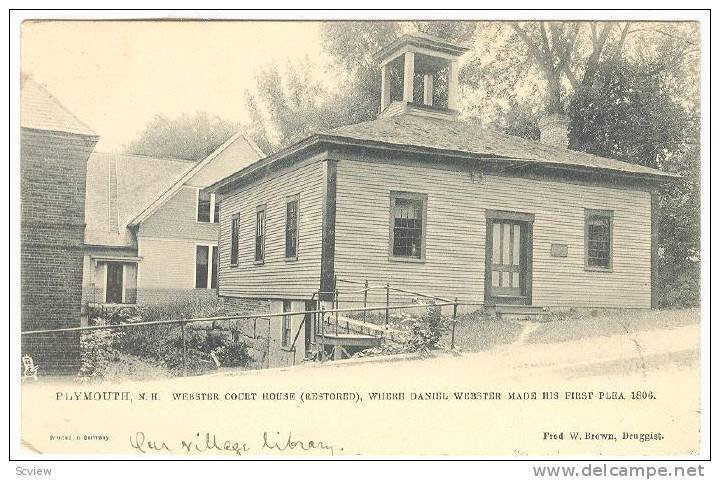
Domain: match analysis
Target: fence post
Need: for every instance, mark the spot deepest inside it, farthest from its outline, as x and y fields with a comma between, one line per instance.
x=322, y=333
x=454, y=320
x=184, y=348
x=365, y=302
x=387, y=304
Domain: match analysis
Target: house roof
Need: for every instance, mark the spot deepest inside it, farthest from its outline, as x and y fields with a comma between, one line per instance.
x=466, y=137
x=139, y=179
x=172, y=188
x=452, y=139
x=40, y=110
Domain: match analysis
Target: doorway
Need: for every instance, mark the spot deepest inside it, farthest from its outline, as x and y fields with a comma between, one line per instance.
x=508, y=259
x=114, y=285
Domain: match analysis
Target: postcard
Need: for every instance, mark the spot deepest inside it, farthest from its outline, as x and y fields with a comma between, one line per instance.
x=360, y=238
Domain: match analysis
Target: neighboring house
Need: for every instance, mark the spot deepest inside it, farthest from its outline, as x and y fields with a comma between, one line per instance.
x=54, y=148
x=152, y=230
x=426, y=202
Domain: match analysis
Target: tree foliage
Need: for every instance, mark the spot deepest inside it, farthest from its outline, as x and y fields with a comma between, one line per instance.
x=186, y=137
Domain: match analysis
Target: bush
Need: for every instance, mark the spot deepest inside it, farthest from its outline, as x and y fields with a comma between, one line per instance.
x=426, y=331
x=160, y=347
x=234, y=354
x=97, y=351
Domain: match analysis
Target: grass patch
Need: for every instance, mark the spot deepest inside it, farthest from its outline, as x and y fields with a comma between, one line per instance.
x=479, y=331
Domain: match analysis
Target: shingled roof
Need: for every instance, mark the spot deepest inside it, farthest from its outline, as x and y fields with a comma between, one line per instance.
x=40, y=110
x=462, y=137
x=451, y=138
x=139, y=180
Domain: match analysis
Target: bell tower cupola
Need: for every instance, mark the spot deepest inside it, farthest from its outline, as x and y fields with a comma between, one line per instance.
x=419, y=76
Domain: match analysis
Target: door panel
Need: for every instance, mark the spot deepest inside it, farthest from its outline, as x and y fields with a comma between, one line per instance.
x=114, y=283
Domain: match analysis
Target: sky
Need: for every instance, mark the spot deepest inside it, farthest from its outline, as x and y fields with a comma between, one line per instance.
x=116, y=75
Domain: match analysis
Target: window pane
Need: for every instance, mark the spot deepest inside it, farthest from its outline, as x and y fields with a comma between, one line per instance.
x=506, y=244
x=203, y=207
x=234, y=240
x=201, y=266
x=516, y=245
x=407, y=228
x=214, y=280
x=495, y=278
x=496, y=243
x=291, y=229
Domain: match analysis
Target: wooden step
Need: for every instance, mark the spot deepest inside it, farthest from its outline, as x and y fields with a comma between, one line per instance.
x=521, y=312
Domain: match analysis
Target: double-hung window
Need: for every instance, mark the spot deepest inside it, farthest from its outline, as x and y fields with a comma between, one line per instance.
x=291, y=228
x=408, y=214
x=286, y=324
x=208, y=210
x=260, y=216
x=234, y=239
x=598, y=239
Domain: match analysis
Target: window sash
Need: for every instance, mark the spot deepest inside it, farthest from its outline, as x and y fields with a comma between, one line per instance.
x=234, y=239
x=291, y=229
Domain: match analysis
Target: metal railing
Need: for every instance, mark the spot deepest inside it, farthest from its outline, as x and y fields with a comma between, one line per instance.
x=320, y=311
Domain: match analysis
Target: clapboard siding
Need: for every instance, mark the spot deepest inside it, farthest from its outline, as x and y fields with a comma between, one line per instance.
x=455, y=236
x=276, y=278
x=167, y=263
x=177, y=218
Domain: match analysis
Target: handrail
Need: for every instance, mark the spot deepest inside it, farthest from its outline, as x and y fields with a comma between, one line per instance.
x=186, y=321
x=394, y=289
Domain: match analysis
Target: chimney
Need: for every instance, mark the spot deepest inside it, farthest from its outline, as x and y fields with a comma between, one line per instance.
x=554, y=130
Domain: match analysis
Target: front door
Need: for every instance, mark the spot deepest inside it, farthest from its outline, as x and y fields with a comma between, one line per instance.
x=507, y=265
x=114, y=286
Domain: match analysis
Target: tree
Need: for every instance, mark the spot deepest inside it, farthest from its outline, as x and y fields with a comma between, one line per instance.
x=290, y=104
x=186, y=137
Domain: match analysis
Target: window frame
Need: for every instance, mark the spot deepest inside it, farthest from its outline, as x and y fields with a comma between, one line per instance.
x=423, y=197
x=211, y=270
x=235, y=240
x=288, y=200
x=212, y=208
x=261, y=261
x=589, y=212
